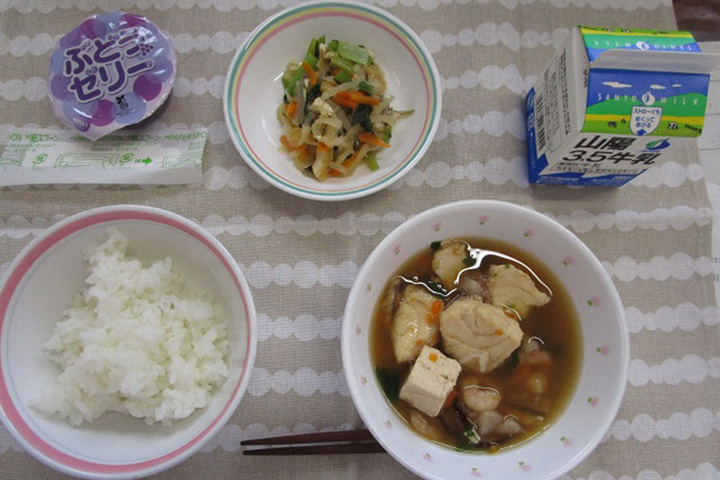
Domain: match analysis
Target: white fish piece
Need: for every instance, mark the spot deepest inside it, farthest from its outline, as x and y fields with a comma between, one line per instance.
x=414, y=325
x=512, y=288
x=478, y=335
x=449, y=260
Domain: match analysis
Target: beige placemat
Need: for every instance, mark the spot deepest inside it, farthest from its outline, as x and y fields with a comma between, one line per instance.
x=300, y=257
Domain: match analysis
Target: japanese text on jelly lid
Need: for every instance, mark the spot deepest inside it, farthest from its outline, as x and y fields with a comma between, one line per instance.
x=113, y=70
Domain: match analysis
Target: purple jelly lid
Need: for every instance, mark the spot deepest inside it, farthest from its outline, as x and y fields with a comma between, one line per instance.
x=113, y=70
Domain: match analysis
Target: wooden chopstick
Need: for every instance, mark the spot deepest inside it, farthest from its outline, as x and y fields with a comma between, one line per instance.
x=318, y=449
x=303, y=438
x=321, y=443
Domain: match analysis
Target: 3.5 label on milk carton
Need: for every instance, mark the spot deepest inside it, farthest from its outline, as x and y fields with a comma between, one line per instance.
x=614, y=102
x=599, y=154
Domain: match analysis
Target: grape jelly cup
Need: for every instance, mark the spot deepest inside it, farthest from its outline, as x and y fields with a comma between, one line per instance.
x=113, y=70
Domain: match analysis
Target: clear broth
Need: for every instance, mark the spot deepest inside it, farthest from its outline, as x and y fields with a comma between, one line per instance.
x=556, y=323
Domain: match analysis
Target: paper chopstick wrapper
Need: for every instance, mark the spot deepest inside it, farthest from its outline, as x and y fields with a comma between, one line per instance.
x=157, y=157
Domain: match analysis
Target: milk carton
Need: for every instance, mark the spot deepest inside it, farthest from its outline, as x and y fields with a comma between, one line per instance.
x=614, y=102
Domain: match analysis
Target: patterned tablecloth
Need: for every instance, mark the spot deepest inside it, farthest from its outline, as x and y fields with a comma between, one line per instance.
x=300, y=257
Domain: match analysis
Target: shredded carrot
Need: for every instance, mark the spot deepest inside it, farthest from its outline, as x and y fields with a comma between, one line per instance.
x=350, y=160
x=436, y=306
x=341, y=98
x=371, y=139
x=322, y=147
x=360, y=97
x=450, y=398
x=346, y=163
x=431, y=318
x=312, y=76
x=291, y=109
x=346, y=103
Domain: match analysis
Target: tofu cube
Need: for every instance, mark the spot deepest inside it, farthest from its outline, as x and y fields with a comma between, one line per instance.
x=431, y=380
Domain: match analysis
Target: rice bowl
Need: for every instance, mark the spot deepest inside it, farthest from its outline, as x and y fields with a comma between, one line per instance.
x=136, y=341
x=40, y=284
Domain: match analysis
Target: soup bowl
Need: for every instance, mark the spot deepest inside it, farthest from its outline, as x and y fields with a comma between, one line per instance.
x=600, y=385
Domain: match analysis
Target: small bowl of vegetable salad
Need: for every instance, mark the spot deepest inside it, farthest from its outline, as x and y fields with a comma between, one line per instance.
x=332, y=100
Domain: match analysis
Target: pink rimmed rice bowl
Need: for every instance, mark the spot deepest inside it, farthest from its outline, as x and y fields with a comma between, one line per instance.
x=40, y=285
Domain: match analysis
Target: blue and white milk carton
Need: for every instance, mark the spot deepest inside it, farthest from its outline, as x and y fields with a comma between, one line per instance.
x=614, y=102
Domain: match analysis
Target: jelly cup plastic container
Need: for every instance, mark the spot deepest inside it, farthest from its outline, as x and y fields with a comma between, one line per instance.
x=113, y=70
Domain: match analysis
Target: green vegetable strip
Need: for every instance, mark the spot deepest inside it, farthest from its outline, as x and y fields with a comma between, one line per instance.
x=342, y=77
x=312, y=47
x=291, y=83
x=333, y=45
x=372, y=161
x=297, y=77
x=366, y=87
x=387, y=135
x=353, y=53
x=311, y=60
x=343, y=65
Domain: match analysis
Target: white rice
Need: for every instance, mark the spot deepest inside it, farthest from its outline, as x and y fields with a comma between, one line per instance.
x=136, y=341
